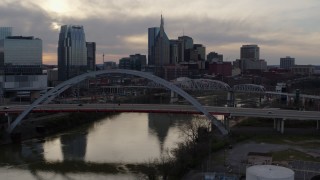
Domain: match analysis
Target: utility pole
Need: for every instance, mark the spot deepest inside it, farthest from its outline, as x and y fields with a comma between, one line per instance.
x=103, y=61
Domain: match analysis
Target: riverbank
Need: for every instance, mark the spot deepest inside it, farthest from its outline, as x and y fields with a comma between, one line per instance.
x=297, y=146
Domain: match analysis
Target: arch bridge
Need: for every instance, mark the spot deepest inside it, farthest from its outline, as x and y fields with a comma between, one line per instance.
x=50, y=95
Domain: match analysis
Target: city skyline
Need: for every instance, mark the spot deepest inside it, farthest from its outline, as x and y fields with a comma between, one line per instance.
x=120, y=28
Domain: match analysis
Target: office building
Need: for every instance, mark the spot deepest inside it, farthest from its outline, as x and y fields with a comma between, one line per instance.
x=162, y=47
x=175, y=71
x=152, y=34
x=214, y=57
x=250, y=62
x=162, y=50
x=248, y=65
x=186, y=43
x=174, y=51
x=201, y=51
x=251, y=52
x=109, y=65
x=287, y=62
x=305, y=70
x=134, y=62
x=5, y=32
x=72, y=52
x=91, y=56
x=21, y=55
x=21, y=67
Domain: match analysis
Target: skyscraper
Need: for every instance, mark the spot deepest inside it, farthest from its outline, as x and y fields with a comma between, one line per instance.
x=186, y=44
x=91, y=55
x=152, y=34
x=287, y=62
x=201, y=50
x=251, y=52
x=162, y=50
x=214, y=57
x=72, y=52
x=5, y=32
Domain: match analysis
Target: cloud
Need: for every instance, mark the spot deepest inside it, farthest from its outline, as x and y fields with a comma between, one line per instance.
x=119, y=27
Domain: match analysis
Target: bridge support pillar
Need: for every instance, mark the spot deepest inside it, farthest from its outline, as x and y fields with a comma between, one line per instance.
x=303, y=102
x=9, y=119
x=274, y=124
x=278, y=121
x=282, y=126
x=230, y=99
x=173, y=97
x=278, y=125
x=227, y=123
x=317, y=124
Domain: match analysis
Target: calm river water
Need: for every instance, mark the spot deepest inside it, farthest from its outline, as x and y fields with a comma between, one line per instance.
x=84, y=152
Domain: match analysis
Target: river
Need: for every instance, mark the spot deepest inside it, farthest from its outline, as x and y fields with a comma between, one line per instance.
x=86, y=152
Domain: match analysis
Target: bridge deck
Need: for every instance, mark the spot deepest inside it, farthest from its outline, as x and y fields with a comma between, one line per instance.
x=167, y=108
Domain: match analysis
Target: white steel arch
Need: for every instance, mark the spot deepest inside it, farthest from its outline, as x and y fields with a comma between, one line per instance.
x=47, y=97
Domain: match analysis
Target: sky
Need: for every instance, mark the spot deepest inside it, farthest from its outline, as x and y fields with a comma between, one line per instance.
x=120, y=27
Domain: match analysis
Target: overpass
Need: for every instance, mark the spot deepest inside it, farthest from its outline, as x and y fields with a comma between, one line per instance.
x=279, y=115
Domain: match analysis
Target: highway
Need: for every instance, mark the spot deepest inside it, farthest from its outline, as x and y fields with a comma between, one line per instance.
x=167, y=108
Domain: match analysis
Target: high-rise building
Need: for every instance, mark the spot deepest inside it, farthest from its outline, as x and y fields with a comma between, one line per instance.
x=72, y=52
x=5, y=32
x=21, y=55
x=139, y=61
x=214, y=57
x=201, y=50
x=91, y=56
x=287, y=62
x=162, y=50
x=185, y=45
x=134, y=62
x=251, y=52
x=152, y=34
x=162, y=47
x=21, y=66
x=174, y=51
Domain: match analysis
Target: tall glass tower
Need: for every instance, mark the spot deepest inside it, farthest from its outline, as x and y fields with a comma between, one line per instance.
x=72, y=52
x=152, y=34
x=5, y=32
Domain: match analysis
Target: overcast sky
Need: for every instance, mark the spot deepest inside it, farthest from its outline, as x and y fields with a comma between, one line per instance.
x=119, y=27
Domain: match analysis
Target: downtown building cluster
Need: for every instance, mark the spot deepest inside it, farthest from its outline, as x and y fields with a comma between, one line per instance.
x=21, y=66
x=22, y=74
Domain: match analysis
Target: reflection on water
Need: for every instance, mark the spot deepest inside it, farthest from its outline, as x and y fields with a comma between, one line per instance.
x=161, y=123
x=74, y=146
x=86, y=152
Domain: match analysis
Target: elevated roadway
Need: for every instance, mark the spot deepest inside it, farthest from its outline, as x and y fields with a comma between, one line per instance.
x=167, y=108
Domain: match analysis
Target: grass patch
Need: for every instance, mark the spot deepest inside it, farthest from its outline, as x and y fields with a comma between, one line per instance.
x=311, y=141
x=290, y=154
x=256, y=122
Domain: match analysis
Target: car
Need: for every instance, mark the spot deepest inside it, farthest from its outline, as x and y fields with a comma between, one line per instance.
x=269, y=112
x=6, y=107
x=80, y=104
